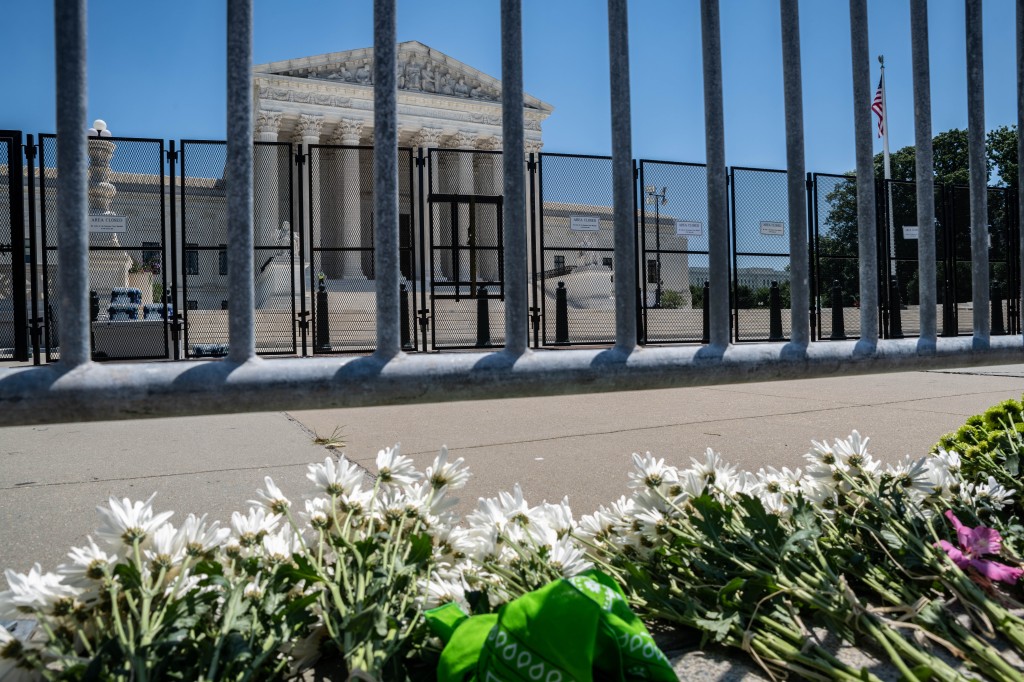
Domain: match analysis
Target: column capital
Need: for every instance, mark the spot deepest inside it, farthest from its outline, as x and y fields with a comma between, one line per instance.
x=310, y=125
x=268, y=122
x=490, y=144
x=428, y=138
x=533, y=146
x=348, y=131
x=464, y=139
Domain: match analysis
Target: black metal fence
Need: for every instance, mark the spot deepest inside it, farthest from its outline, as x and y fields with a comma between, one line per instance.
x=158, y=251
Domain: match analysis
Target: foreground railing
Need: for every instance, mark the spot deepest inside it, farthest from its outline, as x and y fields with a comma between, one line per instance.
x=76, y=389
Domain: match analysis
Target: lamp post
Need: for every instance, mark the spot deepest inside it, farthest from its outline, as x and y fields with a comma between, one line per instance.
x=659, y=199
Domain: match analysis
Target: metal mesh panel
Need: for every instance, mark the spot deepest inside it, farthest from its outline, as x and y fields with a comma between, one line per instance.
x=126, y=264
x=577, y=246
x=760, y=222
x=674, y=247
x=9, y=156
x=338, y=187
x=837, y=265
x=466, y=260
x=204, y=275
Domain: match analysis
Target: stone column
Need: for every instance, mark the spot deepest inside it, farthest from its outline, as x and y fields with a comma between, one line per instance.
x=426, y=139
x=489, y=176
x=308, y=132
x=465, y=140
x=348, y=133
x=265, y=180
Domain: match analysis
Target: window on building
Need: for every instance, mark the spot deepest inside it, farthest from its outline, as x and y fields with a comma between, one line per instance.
x=152, y=254
x=652, y=272
x=607, y=262
x=192, y=305
x=191, y=261
x=559, y=262
x=222, y=259
x=224, y=304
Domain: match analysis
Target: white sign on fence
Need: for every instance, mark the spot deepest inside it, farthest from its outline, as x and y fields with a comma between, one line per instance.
x=108, y=223
x=689, y=228
x=773, y=227
x=585, y=223
x=910, y=231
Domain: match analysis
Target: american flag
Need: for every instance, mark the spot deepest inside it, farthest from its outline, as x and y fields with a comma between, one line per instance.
x=878, y=106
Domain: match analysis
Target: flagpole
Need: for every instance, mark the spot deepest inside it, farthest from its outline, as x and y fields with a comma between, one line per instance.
x=890, y=228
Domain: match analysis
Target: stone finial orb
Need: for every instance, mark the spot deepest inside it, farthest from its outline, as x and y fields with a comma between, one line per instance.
x=99, y=124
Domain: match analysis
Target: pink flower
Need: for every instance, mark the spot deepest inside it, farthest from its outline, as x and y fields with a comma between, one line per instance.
x=974, y=544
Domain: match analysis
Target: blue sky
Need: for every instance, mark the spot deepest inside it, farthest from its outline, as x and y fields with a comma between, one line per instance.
x=157, y=69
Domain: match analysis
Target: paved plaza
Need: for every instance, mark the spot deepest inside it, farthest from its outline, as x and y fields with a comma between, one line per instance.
x=52, y=477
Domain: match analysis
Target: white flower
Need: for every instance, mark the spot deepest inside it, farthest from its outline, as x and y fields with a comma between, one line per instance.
x=280, y=546
x=126, y=522
x=394, y=469
x=713, y=467
x=341, y=478
x=441, y=590
x=650, y=472
x=88, y=564
x=197, y=538
x=251, y=528
x=166, y=550
x=516, y=510
x=772, y=480
x=853, y=452
x=273, y=499
x=318, y=514
x=558, y=516
x=254, y=589
x=988, y=495
x=775, y=503
x=11, y=668
x=567, y=558
x=451, y=544
x=442, y=473
x=33, y=592
x=425, y=501
x=911, y=475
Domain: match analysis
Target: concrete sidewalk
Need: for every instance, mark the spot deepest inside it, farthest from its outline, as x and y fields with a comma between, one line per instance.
x=52, y=477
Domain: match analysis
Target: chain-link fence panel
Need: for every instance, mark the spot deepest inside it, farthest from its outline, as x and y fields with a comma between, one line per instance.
x=835, y=286
x=761, y=258
x=577, y=249
x=466, y=250
x=15, y=282
x=204, y=242
x=674, y=250
x=127, y=248
x=338, y=189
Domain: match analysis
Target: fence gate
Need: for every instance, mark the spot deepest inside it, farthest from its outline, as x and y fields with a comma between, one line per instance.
x=761, y=257
x=337, y=206
x=14, y=282
x=836, y=271
x=203, y=244
x=577, y=245
x=466, y=253
x=674, y=250
x=127, y=248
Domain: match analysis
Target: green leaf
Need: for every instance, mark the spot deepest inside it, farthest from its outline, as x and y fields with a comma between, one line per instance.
x=923, y=673
x=718, y=625
x=422, y=548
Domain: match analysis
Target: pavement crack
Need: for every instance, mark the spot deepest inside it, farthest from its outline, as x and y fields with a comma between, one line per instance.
x=24, y=486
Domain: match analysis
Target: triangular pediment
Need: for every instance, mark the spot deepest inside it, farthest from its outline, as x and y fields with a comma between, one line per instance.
x=421, y=69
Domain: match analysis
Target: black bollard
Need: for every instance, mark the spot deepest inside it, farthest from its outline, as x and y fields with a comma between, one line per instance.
x=997, y=311
x=706, y=304
x=322, y=344
x=403, y=295
x=774, y=313
x=94, y=313
x=561, y=316
x=895, y=319
x=838, y=322
x=483, y=319
x=948, y=311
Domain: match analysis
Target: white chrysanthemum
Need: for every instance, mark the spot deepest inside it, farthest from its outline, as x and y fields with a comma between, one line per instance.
x=357, y=503
x=483, y=543
x=911, y=475
x=11, y=668
x=426, y=502
x=595, y=527
x=33, y=592
x=166, y=550
x=126, y=522
x=279, y=546
x=444, y=473
x=713, y=467
x=336, y=478
x=318, y=514
x=273, y=499
x=440, y=590
x=395, y=470
x=88, y=565
x=775, y=503
x=390, y=505
x=251, y=528
x=950, y=460
x=653, y=525
x=728, y=484
x=567, y=558
x=987, y=495
x=771, y=480
x=254, y=589
x=516, y=509
x=199, y=538
x=451, y=544
x=558, y=516
x=853, y=452
x=651, y=472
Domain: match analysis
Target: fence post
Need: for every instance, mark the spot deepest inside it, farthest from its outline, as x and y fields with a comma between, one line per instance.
x=706, y=305
x=483, y=319
x=895, y=318
x=94, y=313
x=997, y=311
x=838, y=322
x=774, y=313
x=561, y=316
x=322, y=344
x=949, y=310
x=404, y=297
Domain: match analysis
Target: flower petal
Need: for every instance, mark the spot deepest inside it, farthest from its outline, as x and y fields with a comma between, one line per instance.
x=955, y=554
x=993, y=570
